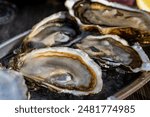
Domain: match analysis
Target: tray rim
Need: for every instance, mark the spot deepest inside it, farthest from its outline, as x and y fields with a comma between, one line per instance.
x=142, y=80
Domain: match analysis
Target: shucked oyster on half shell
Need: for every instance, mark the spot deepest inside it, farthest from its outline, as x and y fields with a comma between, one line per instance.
x=104, y=13
x=62, y=69
x=12, y=85
x=57, y=29
x=111, y=50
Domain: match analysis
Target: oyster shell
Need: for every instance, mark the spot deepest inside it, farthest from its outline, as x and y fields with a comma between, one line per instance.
x=131, y=35
x=12, y=85
x=104, y=13
x=63, y=70
x=57, y=29
x=110, y=50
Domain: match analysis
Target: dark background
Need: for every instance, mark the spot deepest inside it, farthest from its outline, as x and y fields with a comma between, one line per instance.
x=30, y=12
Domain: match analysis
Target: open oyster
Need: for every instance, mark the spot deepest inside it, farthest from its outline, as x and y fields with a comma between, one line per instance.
x=12, y=85
x=110, y=50
x=104, y=13
x=62, y=69
x=57, y=29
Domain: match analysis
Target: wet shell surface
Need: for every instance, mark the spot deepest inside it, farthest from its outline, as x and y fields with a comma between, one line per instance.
x=113, y=51
x=12, y=85
x=131, y=35
x=62, y=69
x=104, y=13
x=57, y=29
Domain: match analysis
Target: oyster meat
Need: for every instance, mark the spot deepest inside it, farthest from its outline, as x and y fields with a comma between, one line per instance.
x=104, y=13
x=110, y=50
x=62, y=69
x=57, y=29
x=12, y=85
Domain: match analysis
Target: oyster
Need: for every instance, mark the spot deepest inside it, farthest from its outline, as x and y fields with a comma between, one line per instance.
x=12, y=85
x=62, y=69
x=110, y=50
x=104, y=13
x=57, y=29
